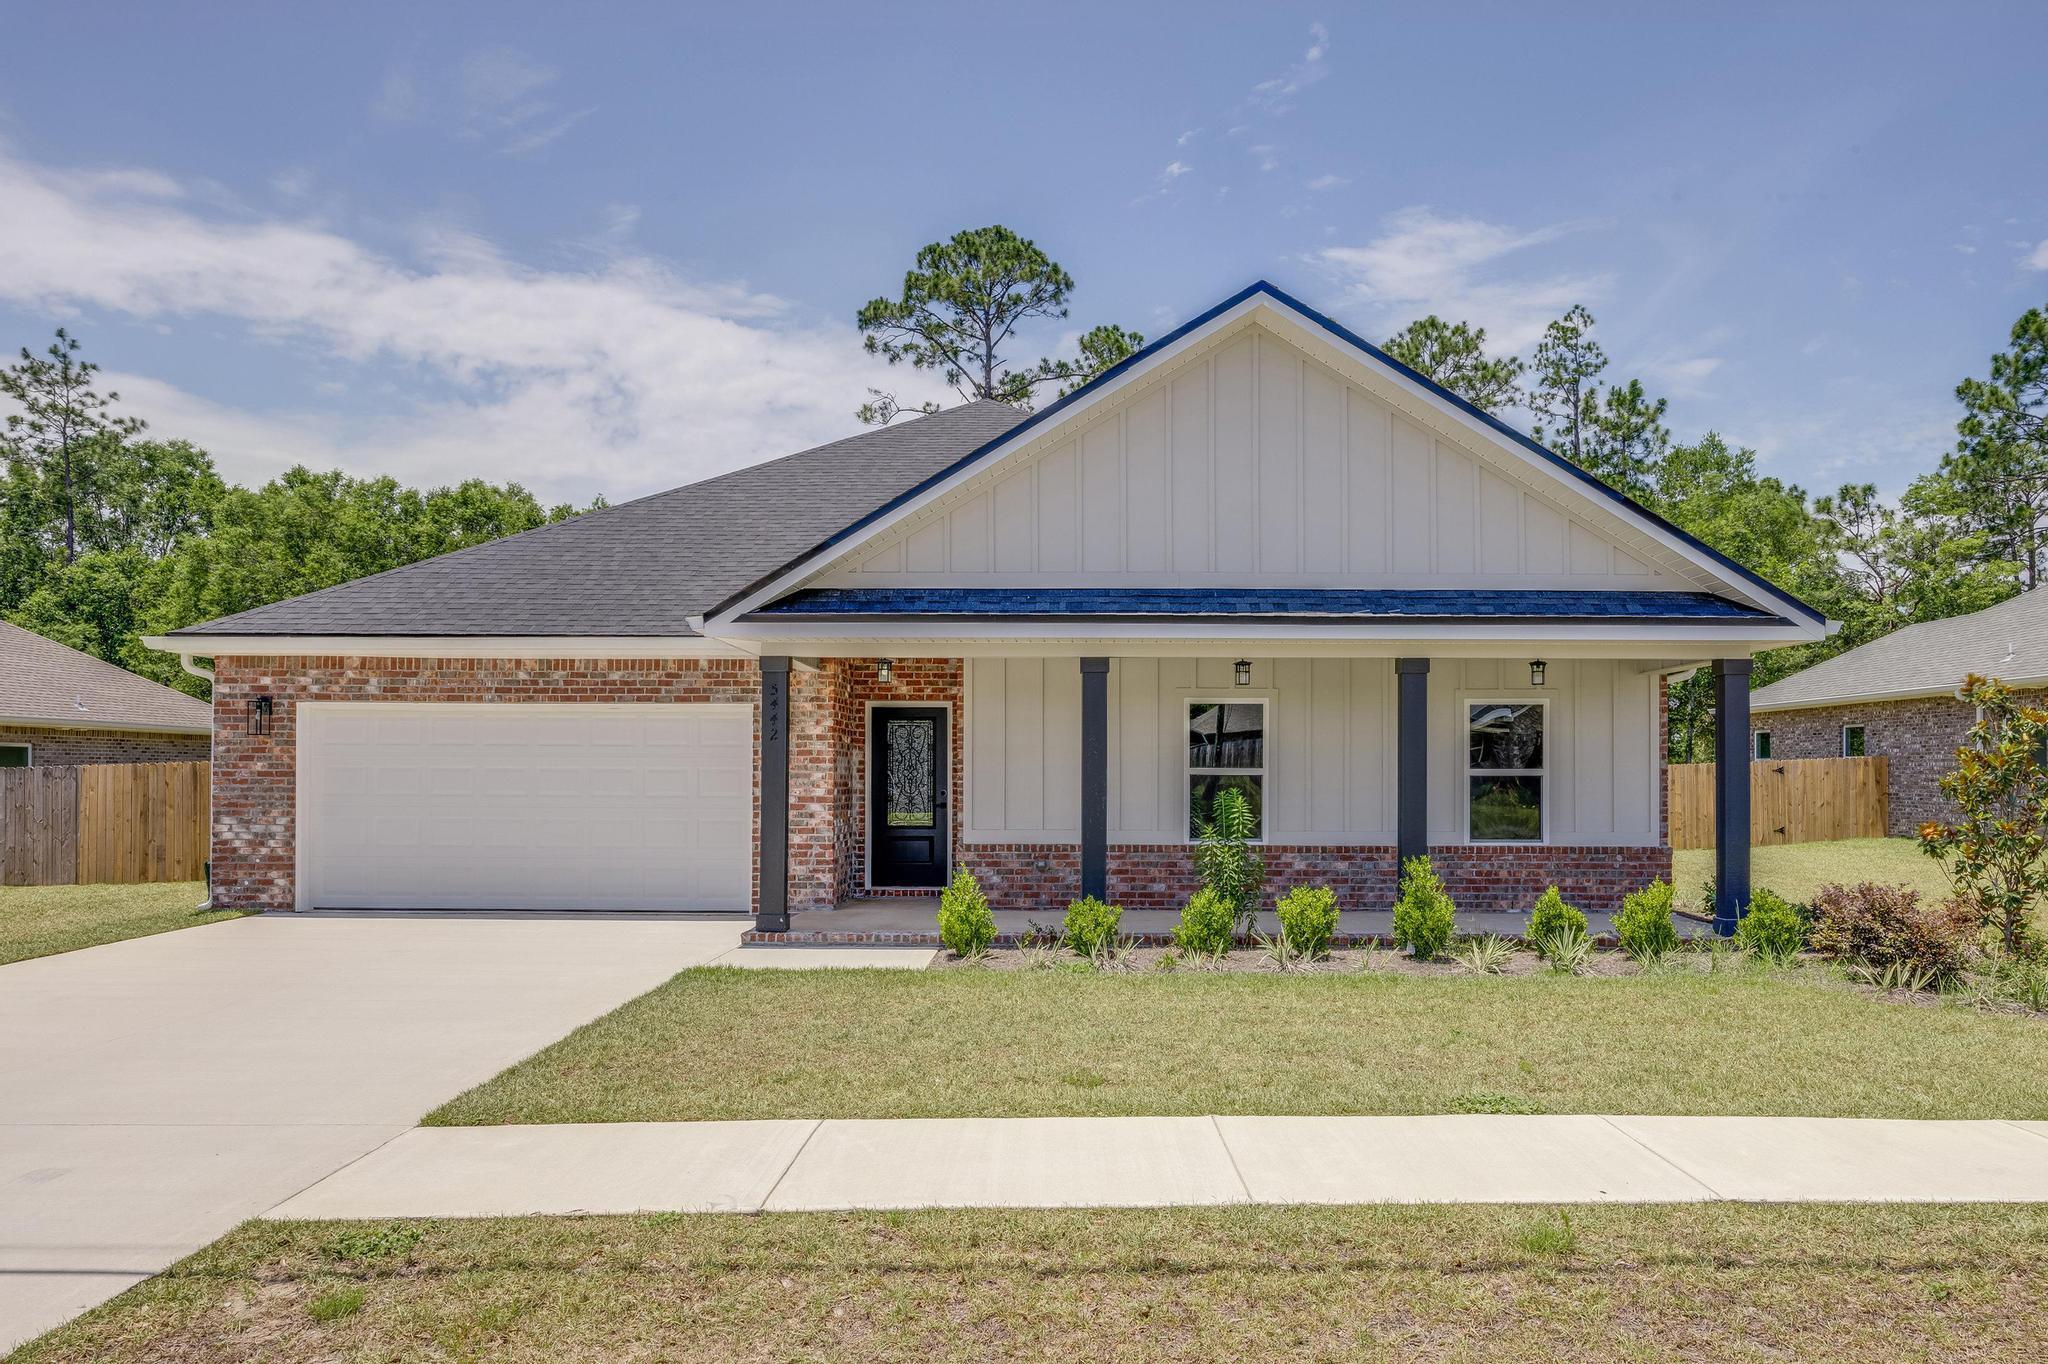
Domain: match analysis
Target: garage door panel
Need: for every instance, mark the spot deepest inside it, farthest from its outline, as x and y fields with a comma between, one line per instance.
x=550, y=807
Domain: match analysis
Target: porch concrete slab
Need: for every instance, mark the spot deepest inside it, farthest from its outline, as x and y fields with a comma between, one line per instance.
x=828, y=958
x=1452, y=1158
x=1010, y=1163
x=1882, y=1160
x=622, y=1167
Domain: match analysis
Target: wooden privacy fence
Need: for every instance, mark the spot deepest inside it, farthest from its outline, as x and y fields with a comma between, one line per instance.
x=107, y=823
x=1791, y=800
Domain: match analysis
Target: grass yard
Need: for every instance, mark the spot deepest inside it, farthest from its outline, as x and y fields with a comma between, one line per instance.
x=1798, y=870
x=728, y=1043
x=1697, y=1282
x=37, y=921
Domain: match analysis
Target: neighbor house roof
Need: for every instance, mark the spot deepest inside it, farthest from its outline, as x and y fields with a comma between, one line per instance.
x=643, y=567
x=2008, y=641
x=44, y=684
x=1414, y=604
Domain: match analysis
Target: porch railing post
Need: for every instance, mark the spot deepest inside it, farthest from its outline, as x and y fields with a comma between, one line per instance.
x=771, y=912
x=1412, y=760
x=1095, y=777
x=1731, y=793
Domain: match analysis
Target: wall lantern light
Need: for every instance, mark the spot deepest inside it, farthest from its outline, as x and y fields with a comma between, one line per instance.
x=259, y=714
x=885, y=670
x=1536, y=672
x=1243, y=669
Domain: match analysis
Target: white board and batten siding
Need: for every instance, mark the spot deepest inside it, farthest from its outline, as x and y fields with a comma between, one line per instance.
x=1330, y=747
x=1254, y=464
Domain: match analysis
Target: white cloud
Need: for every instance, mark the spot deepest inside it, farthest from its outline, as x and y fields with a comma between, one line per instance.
x=626, y=377
x=1272, y=95
x=2038, y=258
x=1423, y=262
x=1682, y=376
x=1162, y=183
x=1267, y=156
x=1187, y=137
x=1328, y=181
x=502, y=93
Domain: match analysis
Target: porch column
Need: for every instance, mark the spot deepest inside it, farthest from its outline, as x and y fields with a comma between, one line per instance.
x=1412, y=757
x=1731, y=792
x=1095, y=777
x=771, y=915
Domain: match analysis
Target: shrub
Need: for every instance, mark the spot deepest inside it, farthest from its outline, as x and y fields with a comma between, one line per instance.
x=1774, y=929
x=1225, y=858
x=1424, y=918
x=966, y=925
x=1643, y=923
x=1206, y=924
x=1551, y=917
x=1997, y=850
x=1090, y=927
x=1886, y=925
x=1308, y=919
x=1565, y=947
x=1487, y=956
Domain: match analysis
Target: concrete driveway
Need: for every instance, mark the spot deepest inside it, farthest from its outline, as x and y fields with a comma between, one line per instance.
x=154, y=1093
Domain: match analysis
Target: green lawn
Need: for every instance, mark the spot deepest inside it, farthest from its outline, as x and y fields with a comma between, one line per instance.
x=727, y=1043
x=1699, y=1282
x=1798, y=870
x=36, y=921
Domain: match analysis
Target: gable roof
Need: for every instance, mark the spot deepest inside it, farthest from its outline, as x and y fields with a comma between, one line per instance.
x=643, y=567
x=792, y=572
x=2008, y=641
x=44, y=683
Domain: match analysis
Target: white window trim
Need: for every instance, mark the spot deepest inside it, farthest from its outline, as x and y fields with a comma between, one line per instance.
x=1264, y=771
x=1467, y=771
x=1845, y=741
x=27, y=748
x=1756, y=746
x=955, y=826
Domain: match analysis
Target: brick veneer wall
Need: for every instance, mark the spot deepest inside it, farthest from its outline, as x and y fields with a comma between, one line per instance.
x=77, y=747
x=1918, y=737
x=920, y=681
x=255, y=775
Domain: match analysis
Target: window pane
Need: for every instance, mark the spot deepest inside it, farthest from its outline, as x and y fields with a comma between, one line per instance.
x=910, y=774
x=13, y=755
x=1852, y=741
x=1224, y=734
x=1763, y=743
x=1202, y=793
x=1507, y=808
x=1507, y=736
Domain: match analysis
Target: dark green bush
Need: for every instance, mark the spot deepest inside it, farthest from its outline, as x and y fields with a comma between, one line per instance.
x=1774, y=930
x=1551, y=917
x=1643, y=923
x=1206, y=924
x=966, y=924
x=1091, y=925
x=1225, y=858
x=1424, y=917
x=1308, y=919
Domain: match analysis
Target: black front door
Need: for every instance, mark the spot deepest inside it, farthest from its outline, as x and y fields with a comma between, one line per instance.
x=907, y=796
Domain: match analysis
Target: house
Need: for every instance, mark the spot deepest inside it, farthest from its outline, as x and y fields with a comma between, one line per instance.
x=1896, y=696
x=1257, y=555
x=60, y=708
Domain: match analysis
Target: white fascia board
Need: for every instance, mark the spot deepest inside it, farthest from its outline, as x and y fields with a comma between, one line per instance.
x=1678, y=639
x=450, y=646
x=87, y=722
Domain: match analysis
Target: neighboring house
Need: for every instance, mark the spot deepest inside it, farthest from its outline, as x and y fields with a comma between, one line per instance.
x=60, y=707
x=1258, y=554
x=1896, y=696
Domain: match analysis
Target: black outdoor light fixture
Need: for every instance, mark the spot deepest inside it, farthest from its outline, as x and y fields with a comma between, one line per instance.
x=885, y=670
x=1536, y=672
x=259, y=714
x=1243, y=669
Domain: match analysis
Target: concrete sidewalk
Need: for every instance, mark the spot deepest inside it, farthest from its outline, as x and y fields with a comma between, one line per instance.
x=1161, y=1162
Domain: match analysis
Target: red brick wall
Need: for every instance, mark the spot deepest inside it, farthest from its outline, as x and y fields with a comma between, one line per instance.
x=76, y=747
x=921, y=681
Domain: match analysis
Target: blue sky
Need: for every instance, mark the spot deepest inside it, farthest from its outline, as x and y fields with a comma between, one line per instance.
x=616, y=248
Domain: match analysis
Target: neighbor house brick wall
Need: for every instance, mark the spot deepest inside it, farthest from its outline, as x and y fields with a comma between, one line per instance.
x=79, y=747
x=255, y=775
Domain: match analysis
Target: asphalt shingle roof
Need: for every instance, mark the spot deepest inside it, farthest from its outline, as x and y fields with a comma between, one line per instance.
x=1351, y=604
x=642, y=567
x=43, y=682
x=2008, y=641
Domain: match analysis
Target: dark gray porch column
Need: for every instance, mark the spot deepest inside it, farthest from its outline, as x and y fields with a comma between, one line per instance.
x=1095, y=777
x=1731, y=792
x=772, y=913
x=1412, y=758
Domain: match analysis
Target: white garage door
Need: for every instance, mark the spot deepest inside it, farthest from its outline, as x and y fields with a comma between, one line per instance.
x=450, y=806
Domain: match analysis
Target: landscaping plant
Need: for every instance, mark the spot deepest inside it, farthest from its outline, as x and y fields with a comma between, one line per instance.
x=1487, y=956
x=1206, y=925
x=1774, y=929
x=1424, y=918
x=1994, y=850
x=966, y=924
x=1881, y=926
x=1565, y=947
x=1643, y=923
x=1090, y=928
x=1308, y=919
x=1225, y=858
x=1551, y=917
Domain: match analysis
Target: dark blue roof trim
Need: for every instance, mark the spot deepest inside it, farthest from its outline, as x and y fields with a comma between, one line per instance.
x=1343, y=334
x=985, y=603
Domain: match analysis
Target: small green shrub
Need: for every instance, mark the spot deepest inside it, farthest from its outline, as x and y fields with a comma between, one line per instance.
x=1884, y=925
x=1565, y=948
x=1090, y=928
x=1424, y=917
x=343, y=1302
x=1487, y=956
x=1643, y=923
x=966, y=924
x=1308, y=919
x=1225, y=858
x=1774, y=930
x=1551, y=917
x=1206, y=924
